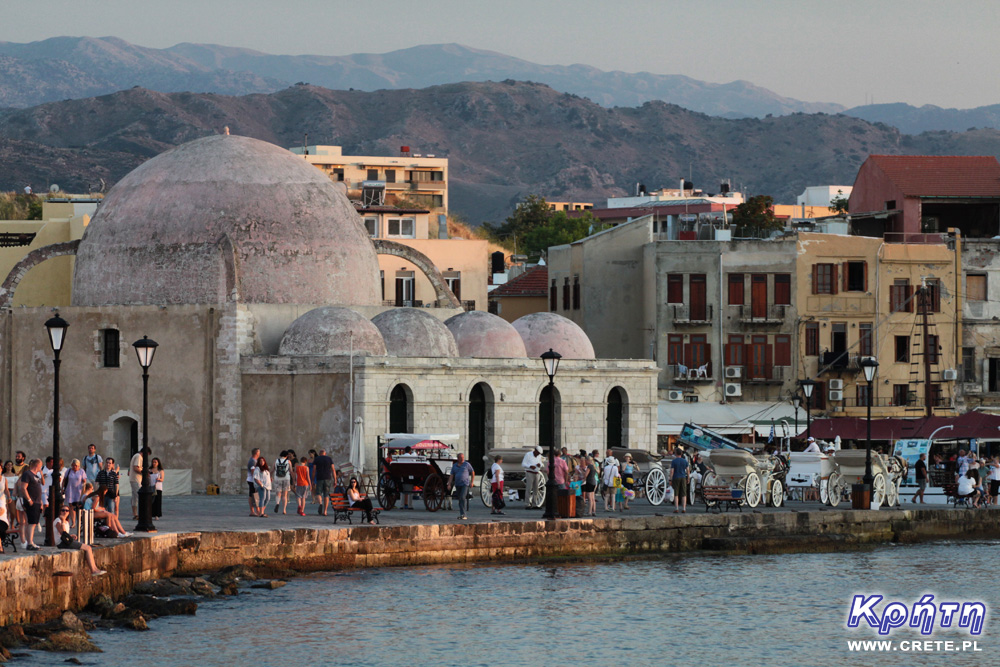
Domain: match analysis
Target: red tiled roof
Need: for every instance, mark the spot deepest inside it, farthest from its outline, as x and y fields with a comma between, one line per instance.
x=942, y=175
x=533, y=282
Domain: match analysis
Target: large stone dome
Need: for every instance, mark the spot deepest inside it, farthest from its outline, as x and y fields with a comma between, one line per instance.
x=542, y=332
x=412, y=332
x=331, y=331
x=226, y=217
x=482, y=334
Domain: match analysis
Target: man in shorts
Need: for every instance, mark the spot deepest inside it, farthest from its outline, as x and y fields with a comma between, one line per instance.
x=282, y=482
x=326, y=479
x=679, y=480
x=920, y=470
x=30, y=490
x=251, y=464
x=108, y=480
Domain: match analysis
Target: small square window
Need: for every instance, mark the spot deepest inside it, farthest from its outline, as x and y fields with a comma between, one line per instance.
x=371, y=224
x=400, y=227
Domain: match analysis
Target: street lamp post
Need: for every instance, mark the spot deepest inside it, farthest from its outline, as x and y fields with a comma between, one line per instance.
x=56, y=327
x=550, y=360
x=870, y=367
x=144, y=350
x=807, y=389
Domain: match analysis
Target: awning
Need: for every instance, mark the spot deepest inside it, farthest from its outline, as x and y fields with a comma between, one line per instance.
x=976, y=424
x=728, y=418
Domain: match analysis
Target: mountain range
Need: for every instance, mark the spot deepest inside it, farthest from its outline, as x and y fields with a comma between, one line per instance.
x=504, y=140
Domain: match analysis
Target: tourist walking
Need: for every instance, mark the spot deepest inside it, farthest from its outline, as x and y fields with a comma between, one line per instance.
x=302, y=485
x=93, y=463
x=19, y=463
x=73, y=483
x=326, y=479
x=311, y=462
x=11, y=501
x=679, y=480
x=107, y=482
x=496, y=485
x=995, y=480
x=262, y=480
x=282, y=482
x=30, y=491
x=135, y=478
x=359, y=500
x=461, y=478
x=920, y=471
x=156, y=475
x=589, y=486
x=612, y=482
x=532, y=464
x=251, y=487
x=69, y=541
x=628, y=481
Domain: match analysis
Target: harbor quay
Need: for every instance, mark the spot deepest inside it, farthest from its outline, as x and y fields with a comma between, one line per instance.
x=200, y=534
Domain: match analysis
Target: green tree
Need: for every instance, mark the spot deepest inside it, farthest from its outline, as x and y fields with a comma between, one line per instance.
x=839, y=203
x=559, y=230
x=755, y=217
x=530, y=213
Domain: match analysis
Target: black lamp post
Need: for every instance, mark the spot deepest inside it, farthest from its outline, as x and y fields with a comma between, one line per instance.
x=797, y=401
x=56, y=327
x=870, y=367
x=807, y=389
x=550, y=360
x=145, y=349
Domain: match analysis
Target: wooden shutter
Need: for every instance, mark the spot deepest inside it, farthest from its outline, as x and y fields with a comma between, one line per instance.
x=457, y=288
x=866, y=275
x=399, y=292
x=833, y=279
x=845, y=276
x=768, y=361
x=815, y=278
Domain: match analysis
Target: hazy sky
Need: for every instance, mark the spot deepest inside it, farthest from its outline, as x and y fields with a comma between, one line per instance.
x=846, y=51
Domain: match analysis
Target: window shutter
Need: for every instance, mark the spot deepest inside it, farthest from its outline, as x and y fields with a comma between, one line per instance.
x=457, y=288
x=845, y=272
x=866, y=276
x=815, y=278
x=909, y=298
x=833, y=279
x=689, y=355
x=708, y=358
x=399, y=292
x=768, y=361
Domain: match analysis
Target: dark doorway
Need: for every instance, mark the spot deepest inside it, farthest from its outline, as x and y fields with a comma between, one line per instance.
x=480, y=425
x=616, y=419
x=545, y=405
x=400, y=410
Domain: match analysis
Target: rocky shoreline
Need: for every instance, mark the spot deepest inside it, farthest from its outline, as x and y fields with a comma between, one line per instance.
x=174, y=596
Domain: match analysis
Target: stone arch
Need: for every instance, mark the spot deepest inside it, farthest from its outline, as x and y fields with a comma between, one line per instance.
x=121, y=434
x=400, y=409
x=30, y=261
x=444, y=296
x=480, y=424
x=616, y=417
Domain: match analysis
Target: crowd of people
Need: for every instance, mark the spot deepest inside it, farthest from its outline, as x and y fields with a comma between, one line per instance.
x=90, y=483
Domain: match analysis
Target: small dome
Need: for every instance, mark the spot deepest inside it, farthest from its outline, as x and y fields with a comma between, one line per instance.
x=481, y=334
x=413, y=332
x=328, y=331
x=544, y=331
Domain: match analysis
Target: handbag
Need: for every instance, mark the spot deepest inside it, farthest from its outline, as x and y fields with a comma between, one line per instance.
x=498, y=502
x=616, y=482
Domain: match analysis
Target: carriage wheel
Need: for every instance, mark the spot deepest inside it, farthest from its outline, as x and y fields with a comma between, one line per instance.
x=751, y=490
x=891, y=494
x=656, y=486
x=777, y=493
x=833, y=490
x=878, y=490
x=824, y=493
x=387, y=492
x=539, y=500
x=433, y=492
x=709, y=479
x=486, y=491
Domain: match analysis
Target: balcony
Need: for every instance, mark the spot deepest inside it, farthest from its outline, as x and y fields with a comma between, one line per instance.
x=773, y=314
x=403, y=303
x=911, y=402
x=838, y=362
x=428, y=186
x=685, y=314
x=760, y=374
x=687, y=374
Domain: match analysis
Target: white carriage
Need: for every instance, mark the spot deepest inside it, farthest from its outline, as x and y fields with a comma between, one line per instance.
x=649, y=477
x=751, y=479
x=847, y=468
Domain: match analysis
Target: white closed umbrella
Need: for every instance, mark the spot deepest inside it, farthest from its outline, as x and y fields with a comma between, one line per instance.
x=358, y=446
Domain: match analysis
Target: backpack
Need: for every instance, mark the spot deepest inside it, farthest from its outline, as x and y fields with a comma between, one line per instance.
x=281, y=469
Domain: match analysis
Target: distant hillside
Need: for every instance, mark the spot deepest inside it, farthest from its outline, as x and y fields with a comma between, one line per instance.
x=913, y=120
x=76, y=67
x=504, y=140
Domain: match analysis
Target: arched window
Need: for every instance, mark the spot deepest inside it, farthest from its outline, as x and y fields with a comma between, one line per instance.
x=617, y=418
x=401, y=409
x=126, y=443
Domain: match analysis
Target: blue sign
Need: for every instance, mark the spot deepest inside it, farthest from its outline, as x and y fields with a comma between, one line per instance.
x=911, y=451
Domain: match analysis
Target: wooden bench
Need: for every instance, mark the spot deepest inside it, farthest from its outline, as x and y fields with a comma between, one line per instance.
x=10, y=540
x=342, y=508
x=950, y=492
x=716, y=495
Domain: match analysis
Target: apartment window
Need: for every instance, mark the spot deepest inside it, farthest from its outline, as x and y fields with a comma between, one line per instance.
x=735, y=289
x=856, y=277
x=993, y=381
x=975, y=287
x=339, y=174
x=865, y=339
x=675, y=349
x=900, y=394
x=698, y=350
x=902, y=349
x=819, y=396
x=782, y=350
x=937, y=397
x=401, y=228
x=734, y=351
x=566, y=303
x=812, y=339
x=900, y=296
x=553, y=296
x=111, y=348
x=968, y=364
x=698, y=297
x=404, y=288
x=933, y=296
x=675, y=288
x=454, y=281
x=824, y=279
x=371, y=224
x=390, y=175
x=426, y=175
x=861, y=394
x=372, y=175
x=782, y=289
x=890, y=205
x=932, y=349
x=576, y=292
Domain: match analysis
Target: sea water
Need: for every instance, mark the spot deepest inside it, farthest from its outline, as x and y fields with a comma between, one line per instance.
x=691, y=609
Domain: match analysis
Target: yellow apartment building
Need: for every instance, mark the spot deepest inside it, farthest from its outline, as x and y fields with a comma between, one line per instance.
x=899, y=303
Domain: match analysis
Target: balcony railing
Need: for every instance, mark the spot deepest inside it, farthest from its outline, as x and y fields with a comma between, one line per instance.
x=772, y=314
x=403, y=303
x=682, y=373
x=421, y=186
x=911, y=401
x=761, y=374
x=838, y=362
x=685, y=314
x=469, y=305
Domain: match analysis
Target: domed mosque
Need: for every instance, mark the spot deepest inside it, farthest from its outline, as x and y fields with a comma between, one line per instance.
x=257, y=277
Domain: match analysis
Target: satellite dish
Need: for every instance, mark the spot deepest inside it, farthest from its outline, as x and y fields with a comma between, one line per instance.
x=54, y=188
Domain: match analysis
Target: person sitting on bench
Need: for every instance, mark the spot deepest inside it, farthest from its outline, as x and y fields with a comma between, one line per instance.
x=93, y=500
x=359, y=500
x=967, y=488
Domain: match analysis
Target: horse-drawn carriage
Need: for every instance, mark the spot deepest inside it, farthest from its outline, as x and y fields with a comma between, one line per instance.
x=649, y=478
x=848, y=468
x=423, y=471
x=514, y=476
x=751, y=479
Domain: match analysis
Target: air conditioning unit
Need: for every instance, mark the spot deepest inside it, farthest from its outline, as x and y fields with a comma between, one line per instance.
x=734, y=371
x=734, y=389
x=837, y=385
x=675, y=395
x=836, y=395
x=949, y=374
